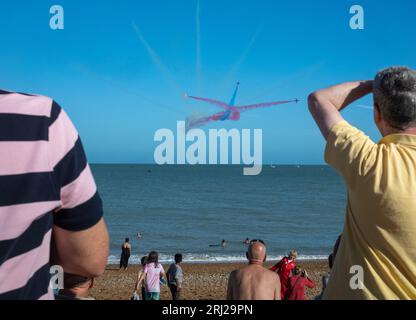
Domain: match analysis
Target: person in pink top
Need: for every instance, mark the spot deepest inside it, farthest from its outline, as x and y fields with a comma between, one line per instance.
x=153, y=274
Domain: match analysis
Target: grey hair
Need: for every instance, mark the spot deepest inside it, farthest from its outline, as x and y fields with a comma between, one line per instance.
x=395, y=96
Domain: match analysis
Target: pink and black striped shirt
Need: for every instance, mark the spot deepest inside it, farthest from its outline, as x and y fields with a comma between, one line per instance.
x=45, y=180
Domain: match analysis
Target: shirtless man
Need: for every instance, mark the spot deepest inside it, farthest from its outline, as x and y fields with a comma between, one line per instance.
x=254, y=282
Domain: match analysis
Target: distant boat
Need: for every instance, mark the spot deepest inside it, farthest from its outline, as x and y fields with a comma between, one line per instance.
x=272, y=166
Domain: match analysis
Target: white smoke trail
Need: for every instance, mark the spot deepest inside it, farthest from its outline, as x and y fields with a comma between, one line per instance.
x=198, y=47
x=237, y=65
x=156, y=59
x=85, y=71
x=364, y=107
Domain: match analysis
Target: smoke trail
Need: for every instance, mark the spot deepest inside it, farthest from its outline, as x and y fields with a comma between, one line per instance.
x=198, y=46
x=243, y=57
x=136, y=93
x=364, y=107
x=211, y=101
x=264, y=105
x=156, y=59
x=287, y=81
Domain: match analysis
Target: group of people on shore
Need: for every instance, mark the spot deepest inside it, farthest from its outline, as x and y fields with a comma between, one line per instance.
x=284, y=281
x=151, y=276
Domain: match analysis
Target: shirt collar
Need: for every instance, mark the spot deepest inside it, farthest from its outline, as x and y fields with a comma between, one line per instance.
x=399, y=138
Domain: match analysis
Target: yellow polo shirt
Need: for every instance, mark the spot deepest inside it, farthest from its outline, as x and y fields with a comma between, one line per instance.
x=376, y=258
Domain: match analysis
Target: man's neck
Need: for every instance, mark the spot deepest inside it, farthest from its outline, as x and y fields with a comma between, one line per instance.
x=390, y=131
x=256, y=262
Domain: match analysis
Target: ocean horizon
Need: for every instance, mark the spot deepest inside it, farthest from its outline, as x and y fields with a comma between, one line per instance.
x=191, y=209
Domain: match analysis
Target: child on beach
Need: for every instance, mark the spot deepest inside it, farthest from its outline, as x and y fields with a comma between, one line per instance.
x=175, y=277
x=140, y=285
x=152, y=274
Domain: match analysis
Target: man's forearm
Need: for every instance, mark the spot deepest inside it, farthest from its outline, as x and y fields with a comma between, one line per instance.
x=325, y=104
x=344, y=94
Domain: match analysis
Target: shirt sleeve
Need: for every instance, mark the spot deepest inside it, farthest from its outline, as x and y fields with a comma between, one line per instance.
x=81, y=205
x=349, y=151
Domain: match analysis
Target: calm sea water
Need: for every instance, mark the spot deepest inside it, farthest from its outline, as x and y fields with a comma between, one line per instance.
x=188, y=208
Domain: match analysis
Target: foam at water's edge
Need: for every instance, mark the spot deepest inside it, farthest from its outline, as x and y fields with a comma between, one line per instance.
x=205, y=258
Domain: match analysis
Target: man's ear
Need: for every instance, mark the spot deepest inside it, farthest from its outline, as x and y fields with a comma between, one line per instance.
x=378, y=119
x=377, y=114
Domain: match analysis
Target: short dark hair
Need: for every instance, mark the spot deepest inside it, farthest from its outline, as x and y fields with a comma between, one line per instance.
x=73, y=281
x=395, y=96
x=143, y=260
x=178, y=258
x=297, y=270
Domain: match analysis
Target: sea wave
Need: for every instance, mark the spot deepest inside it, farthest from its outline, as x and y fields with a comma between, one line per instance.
x=210, y=258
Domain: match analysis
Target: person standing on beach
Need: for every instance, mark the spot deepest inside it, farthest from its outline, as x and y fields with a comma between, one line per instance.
x=297, y=283
x=175, y=277
x=125, y=254
x=325, y=277
x=284, y=269
x=152, y=274
x=376, y=258
x=254, y=282
x=139, y=284
x=50, y=210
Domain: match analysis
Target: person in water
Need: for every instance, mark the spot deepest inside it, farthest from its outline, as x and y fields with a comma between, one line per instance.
x=125, y=254
x=223, y=244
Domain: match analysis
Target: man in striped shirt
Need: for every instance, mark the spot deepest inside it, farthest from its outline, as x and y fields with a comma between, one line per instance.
x=50, y=210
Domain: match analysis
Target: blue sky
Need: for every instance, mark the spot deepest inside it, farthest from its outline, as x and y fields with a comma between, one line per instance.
x=100, y=72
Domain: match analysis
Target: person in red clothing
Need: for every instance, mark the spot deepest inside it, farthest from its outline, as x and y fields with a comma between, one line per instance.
x=297, y=283
x=284, y=268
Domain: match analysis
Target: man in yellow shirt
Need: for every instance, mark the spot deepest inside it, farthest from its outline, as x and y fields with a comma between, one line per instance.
x=376, y=258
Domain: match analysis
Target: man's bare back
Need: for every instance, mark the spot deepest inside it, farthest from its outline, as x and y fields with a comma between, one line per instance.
x=254, y=282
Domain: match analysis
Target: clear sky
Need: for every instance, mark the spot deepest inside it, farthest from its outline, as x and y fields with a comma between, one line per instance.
x=101, y=73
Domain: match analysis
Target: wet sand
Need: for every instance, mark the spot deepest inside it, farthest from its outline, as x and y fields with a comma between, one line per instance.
x=201, y=281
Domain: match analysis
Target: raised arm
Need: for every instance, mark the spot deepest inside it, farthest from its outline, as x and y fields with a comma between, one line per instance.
x=325, y=105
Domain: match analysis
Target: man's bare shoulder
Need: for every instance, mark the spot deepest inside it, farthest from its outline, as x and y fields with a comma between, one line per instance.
x=273, y=276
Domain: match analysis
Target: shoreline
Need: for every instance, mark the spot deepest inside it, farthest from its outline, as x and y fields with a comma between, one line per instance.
x=202, y=281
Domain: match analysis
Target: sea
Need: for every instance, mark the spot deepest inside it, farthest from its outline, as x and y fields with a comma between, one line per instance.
x=191, y=209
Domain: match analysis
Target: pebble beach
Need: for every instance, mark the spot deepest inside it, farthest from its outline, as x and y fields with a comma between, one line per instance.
x=201, y=281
